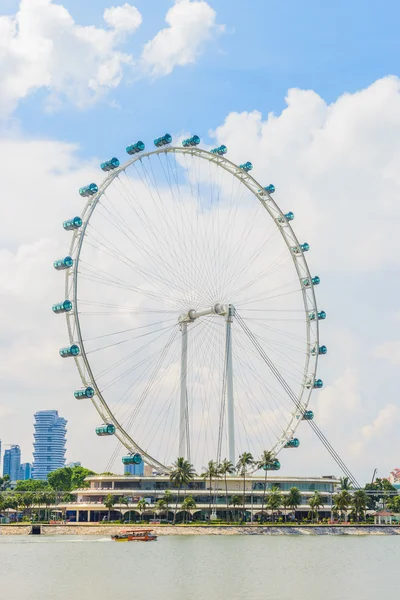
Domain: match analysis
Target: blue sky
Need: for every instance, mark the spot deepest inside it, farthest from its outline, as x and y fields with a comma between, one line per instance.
x=267, y=48
x=331, y=149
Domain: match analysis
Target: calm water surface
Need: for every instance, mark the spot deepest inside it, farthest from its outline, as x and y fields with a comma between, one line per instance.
x=200, y=568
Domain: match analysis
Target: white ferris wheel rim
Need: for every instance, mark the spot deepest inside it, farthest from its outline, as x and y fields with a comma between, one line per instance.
x=299, y=261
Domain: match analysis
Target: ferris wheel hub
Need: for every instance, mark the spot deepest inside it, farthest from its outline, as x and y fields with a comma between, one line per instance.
x=217, y=309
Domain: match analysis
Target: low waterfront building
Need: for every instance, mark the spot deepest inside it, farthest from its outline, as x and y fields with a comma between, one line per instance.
x=212, y=503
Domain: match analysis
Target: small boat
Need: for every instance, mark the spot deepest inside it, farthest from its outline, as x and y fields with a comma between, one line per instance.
x=135, y=535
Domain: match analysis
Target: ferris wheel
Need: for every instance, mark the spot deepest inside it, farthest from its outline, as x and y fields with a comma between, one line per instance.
x=190, y=308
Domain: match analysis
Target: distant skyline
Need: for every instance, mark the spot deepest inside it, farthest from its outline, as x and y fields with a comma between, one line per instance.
x=308, y=92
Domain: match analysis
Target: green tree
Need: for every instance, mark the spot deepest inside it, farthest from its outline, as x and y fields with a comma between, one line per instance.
x=27, y=501
x=382, y=489
x=226, y=468
x=125, y=502
x=4, y=483
x=245, y=461
x=394, y=504
x=286, y=505
x=48, y=499
x=210, y=473
x=168, y=497
x=342, y=502
x=109, y=502
x=275, y=499
x=32, y=485
x=181, y=474
x=161, y=506
x=360, y=503
x=294, y=499
x=266, y=461
x=345, y=484
x=235, y=501
x=60, y=480
x=141, y=506
x=315, y=503
x=187, y=505
x=78, y=477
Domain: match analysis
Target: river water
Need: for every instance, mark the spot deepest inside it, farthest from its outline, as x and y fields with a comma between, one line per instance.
x=200, y=568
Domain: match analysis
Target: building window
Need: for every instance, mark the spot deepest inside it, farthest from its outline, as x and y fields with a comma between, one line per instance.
x=48, y=458
x=48, y=448
x=49, y=439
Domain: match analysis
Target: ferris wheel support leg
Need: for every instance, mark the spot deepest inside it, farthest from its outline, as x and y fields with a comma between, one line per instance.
x=229, y=386
x=183, y=413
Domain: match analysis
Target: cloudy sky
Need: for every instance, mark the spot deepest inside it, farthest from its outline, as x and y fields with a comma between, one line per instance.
x=308, y=92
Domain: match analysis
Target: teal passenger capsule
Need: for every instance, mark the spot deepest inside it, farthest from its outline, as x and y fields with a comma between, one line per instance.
x=220, y=150
x=270, y=188
x=63, y=263
x=318, y=384
x=163, y=141
x=86, y=393
x=132, y=459
x=287, y=217
x=62, y=307
x=322, y=350
x=274, y=466
x=247, y=166
x=107, y=429
x=109, y=165
x=135, y=148
x=69, y=351
x=71, y=224
x=192, y=141
x=321, y=315
x=293, y=443
x=314, y=280
x=88, y=190
x=308, y=415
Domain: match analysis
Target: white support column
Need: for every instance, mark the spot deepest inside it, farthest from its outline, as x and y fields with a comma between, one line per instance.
x=229, y=386
x=183, y=416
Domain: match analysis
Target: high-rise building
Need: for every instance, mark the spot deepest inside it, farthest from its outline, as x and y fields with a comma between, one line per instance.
x=25, y=471
x=12, y=462
x=49, y=445
x=0, y=456
x=134, y=469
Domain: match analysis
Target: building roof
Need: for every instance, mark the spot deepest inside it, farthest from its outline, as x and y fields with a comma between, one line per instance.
x=384, y=513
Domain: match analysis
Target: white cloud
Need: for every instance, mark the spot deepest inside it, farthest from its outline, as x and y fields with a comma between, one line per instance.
x=335, y=166
x=387, y=418
x=390, y=351
x=190, y=25
x=123, y=18
x=341, y=398
x=42, y=47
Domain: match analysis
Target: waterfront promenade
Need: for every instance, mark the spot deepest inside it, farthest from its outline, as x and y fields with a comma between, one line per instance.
x=167, y=530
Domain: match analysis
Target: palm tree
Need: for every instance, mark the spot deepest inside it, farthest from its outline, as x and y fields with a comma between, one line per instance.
x=27, y=500
x=125, y=501
x=285, y=504
x=235, y=501
x=226, y=468
x=345, y=484
x=245, y=461
x=48, y=500
x=182, y=472
x=266, y=461
x=360, y=502
x=294, y=498
x=109, y=502
x=274, y=500
x=342, y=501
x=160, y=505
x=141, y=506
x=168, y=499
x=188, y=504
x=210, y=472
x=315, y=503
